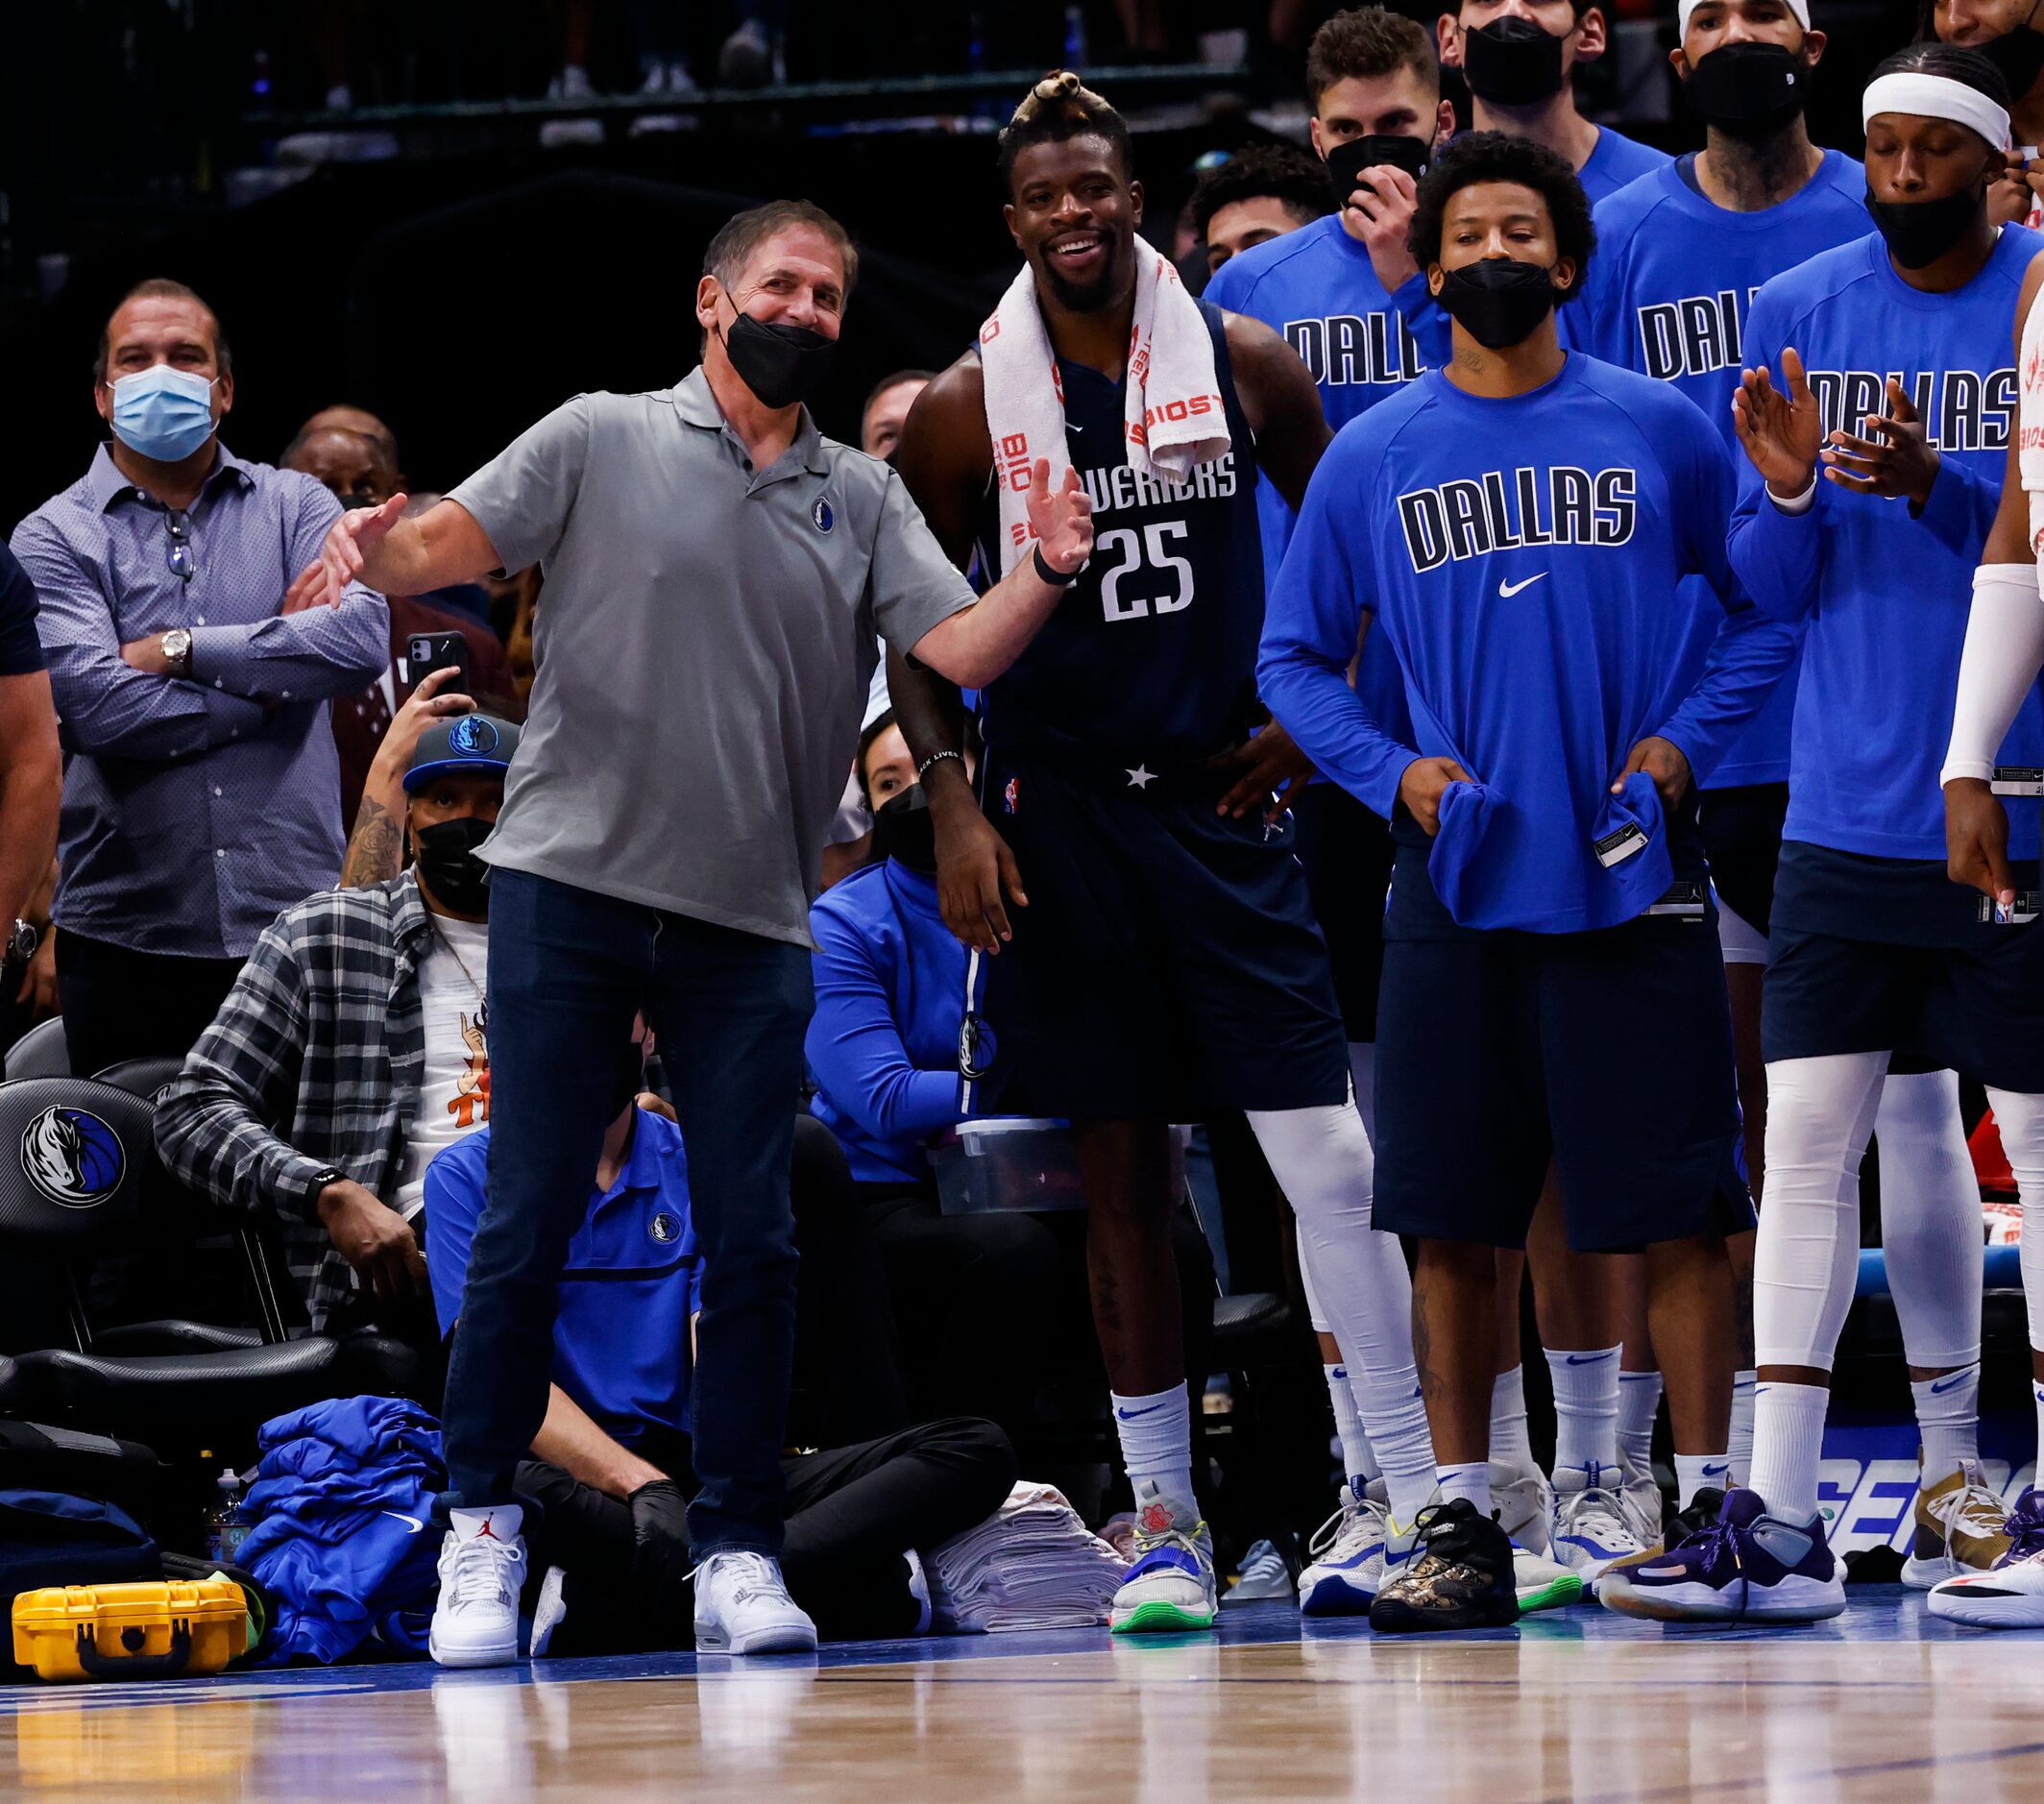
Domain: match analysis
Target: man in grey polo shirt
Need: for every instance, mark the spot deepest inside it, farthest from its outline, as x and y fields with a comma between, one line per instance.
x=716, y=572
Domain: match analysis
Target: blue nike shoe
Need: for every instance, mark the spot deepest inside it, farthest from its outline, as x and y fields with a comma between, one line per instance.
x=1748, y=1566
x=1171, y=1586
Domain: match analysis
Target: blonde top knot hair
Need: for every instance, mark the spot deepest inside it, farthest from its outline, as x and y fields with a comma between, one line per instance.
x=1058, y=91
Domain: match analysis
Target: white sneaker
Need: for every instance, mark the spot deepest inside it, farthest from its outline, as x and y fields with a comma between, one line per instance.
x=1263, y=1575
x=743, y=1607
x=1352, y=1553
x=919, y=1590
x=1523, y=1500
x=2012, y=1594
x=1642, y=1501
x=1589, y=1530
x=1542, y=1583
x=1171, y=1586
x=482, y=1569
x=548, y=1612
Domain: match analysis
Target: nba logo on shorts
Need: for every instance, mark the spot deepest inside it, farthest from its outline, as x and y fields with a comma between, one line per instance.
x=74, y=1159
x=1008, y=794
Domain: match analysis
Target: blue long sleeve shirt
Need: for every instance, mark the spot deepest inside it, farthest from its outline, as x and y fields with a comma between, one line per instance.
x=194, y=811
x=1667, y=295
x=1523, y=559
x=1886, y=589
x=883, y=1044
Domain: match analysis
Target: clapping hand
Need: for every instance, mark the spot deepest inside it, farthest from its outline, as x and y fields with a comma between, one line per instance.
x=1061, y=518
x=357, y=531
x=1895, y=458
x=1780, y=429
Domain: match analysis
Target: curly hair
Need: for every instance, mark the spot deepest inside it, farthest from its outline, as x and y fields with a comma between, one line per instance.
x=1494, y=157
x=1287, y=174
x=1061, y=107
x=1367, y=42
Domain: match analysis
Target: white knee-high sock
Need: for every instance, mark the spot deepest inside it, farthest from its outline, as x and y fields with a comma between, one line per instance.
x=1639, y=1404
x=1820, y=1113
x=1155, y=1430
x=1930, y=1219
x=1358, y=1463
x=2020, y=1117
x=1511, y=1442
x=1586, y=1410
x=1322, y=1161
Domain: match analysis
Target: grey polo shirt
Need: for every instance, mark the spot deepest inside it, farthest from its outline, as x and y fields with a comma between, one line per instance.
x=704, y=642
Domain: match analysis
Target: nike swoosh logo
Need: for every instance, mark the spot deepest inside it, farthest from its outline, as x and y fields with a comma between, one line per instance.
x=1509, y=589
x=1590, y=1360
x=1130, y=1415
x=416, y=1524
x=1957, y=1377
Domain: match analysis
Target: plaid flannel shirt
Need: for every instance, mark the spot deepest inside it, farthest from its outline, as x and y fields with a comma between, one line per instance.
x=315, y=1061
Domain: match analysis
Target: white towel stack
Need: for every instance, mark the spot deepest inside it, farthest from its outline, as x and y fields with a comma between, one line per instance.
x=1031, y=1564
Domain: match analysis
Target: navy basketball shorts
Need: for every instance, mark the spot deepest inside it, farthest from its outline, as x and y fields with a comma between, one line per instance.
x=1167, y=964
x=1889, y=955
x=1346, y=850
x=1743, y=839
x=1610, y=1052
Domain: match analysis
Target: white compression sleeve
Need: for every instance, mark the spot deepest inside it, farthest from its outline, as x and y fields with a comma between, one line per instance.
x=1322, y=1161
x=1929, y=1220
x=2003, y=652
x=2021, y=1120
x=1819, y=1114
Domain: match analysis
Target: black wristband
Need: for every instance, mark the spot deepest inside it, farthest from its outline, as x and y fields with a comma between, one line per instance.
x=1057, y=578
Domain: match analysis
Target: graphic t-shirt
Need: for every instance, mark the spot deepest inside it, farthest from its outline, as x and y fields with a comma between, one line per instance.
x=455, y=1097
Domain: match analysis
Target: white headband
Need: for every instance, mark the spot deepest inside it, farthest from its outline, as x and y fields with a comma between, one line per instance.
x=1936, y=97
x=1800, y=8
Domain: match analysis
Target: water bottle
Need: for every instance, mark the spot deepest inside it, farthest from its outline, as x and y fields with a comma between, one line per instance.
x=1075, y=38
x=227, y=1523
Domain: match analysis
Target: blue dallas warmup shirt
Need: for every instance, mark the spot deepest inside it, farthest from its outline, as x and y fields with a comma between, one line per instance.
x=1887, y=594
x=1523, y=559
x=883, y=1044
x=1616, y=162
x=1667, y=294
x=1317, y=288
x=632, y=1281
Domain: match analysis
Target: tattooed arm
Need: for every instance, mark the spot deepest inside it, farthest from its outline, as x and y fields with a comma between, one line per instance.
x=376, y=849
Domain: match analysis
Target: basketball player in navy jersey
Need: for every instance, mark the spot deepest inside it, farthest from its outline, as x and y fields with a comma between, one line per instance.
x=1162, y=962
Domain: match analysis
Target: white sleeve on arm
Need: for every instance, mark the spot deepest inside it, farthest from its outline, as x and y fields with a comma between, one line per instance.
x=2004, y=650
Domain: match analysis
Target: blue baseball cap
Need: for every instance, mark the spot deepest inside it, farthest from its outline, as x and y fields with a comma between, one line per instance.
x=465, y=744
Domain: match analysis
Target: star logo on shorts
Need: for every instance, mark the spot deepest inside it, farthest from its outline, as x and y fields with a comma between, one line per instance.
x=1140, y=778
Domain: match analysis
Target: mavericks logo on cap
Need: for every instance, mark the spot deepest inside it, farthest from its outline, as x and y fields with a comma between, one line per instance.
x=72, y=1157
x=471, y=736
x=822, y=514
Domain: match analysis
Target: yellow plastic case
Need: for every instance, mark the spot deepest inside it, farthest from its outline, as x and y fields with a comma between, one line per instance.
x=160, y=1628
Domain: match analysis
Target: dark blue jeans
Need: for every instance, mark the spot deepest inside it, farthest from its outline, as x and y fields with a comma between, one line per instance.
x=568, y=969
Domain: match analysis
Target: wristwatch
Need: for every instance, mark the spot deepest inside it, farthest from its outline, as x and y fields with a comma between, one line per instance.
x=177, y=651
x=21, y=944
x=320, y=1179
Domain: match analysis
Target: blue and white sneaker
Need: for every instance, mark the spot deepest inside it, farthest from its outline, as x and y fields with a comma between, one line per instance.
x=2010, y=1595
x=1262, y=1577
x=1748, y=1566
x=1589, y=1529
x=1170, y=1588
x=1352, y=1556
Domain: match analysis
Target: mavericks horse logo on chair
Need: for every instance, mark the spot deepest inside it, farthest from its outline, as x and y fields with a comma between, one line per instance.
x=72, y=1157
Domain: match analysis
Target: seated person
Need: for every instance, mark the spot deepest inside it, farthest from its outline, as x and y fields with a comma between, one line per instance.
x=978, y=1298
x=361, y=469
x=610, y=1467
x=354, y=1044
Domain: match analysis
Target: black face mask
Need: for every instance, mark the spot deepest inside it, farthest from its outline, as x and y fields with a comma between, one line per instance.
x=1749, y=90
x=444, y=854
x=1918, y=232
x=1345, y=162
x=1512, y=62
x=781, y=364
x=902, y=829
x=1499, y=302
x=2019, y=55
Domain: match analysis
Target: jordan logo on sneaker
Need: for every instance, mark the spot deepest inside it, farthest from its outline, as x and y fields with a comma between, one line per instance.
x=486, y=1532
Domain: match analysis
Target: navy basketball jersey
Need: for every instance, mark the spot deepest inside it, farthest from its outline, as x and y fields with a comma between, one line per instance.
x=1152, y=652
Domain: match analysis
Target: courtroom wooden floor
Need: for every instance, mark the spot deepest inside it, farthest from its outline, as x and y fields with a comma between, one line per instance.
x=1884, y=1703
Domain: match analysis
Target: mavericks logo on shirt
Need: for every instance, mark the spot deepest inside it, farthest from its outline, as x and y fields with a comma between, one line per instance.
x=1505, y=509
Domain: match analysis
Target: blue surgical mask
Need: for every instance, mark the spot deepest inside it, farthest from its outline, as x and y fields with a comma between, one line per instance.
x=163, y=413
